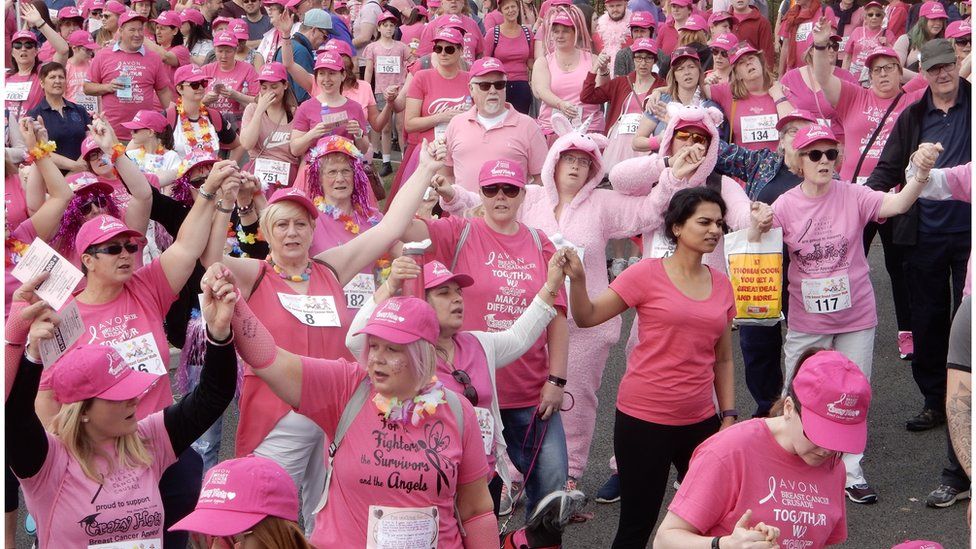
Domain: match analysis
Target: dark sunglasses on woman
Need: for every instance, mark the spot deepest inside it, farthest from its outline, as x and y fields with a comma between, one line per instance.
x=197, y=85
x=115, y=249
x=510, y=191
x=446, y=49
x=26, y=44
x=817, y=154
x=469, y=391
x=98, y=200
x=696, y=138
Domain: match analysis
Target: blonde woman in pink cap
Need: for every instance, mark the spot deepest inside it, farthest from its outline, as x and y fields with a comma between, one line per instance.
x=407, y=459
x=248, y=503
x=95, y=475
x=743, y=483
x=831, y=295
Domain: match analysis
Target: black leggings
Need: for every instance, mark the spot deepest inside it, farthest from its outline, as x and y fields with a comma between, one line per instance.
x=645, y=452
x=519, y=94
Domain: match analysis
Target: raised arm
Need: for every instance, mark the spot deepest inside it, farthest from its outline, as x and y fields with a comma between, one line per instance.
x=823, y=69
x=298, y=73
x=47, y=218
x=587, y=313
x=140, y=204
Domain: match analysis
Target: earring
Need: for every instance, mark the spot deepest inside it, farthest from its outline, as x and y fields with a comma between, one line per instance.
x=84, y=420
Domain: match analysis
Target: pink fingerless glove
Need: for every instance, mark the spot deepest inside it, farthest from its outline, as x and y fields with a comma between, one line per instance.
x=253, y=341
x=17, y=326
x=481, y=531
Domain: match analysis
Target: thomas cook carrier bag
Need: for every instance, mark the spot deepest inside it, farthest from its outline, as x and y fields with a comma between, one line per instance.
x=756, y=272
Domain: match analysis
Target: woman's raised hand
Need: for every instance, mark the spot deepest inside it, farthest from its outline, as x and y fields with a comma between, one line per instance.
x=219, y=299
x=432, y=154
x=402, y=268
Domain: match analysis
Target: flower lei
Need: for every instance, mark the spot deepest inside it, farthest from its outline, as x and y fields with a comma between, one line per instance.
x=203, y=122
x=16, y=250
x=139, y=156
x=426, y=403
x=352, y=227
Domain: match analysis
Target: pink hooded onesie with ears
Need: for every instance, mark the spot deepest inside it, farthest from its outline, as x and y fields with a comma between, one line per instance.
x=588, y=220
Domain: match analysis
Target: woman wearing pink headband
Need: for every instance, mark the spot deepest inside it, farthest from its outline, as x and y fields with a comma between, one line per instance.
x=407, y=453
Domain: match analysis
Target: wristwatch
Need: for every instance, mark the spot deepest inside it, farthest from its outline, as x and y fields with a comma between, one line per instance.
x=732, y=412
x=715, y=541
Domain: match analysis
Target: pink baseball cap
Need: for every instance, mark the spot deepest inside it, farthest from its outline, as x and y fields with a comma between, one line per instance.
x=225, y=38
x=694, y=23
x=220, y=21
x=292, y=4
x=794, y=115
x=99, y=229
x=874, y=3
x=422, y=10
x=330, y=60
x=435, y=274
x=274, y=3
x=341, y=47
x=724, y=41
x=117, y=8
x=69, y=12
x=644, y=44
x=684, y=52
x=741, y=50
x=23, y=35
x=239, y=493
x=880, y=51
x=97, y=371
x=89, y=145
x=273, y=72
x=168, y=18
x=189, y=73
x=192, y=15
x=834, y=397
x=449, y=35
x=642, y=19
x=196, y=158
x=487, y=65
x=82, y=38
x=918, y=544
x=239, y=29
x=812, y=134
x=686, y=3
x=403, y=320
x=502, y=171
x=933, y=10
x=697, y=124
x=718, y=16
x=387, y=16
x=433, y=4
x=130, y=16
x=94, y=5
x=87, y=182
x=563, y=18
x=291, y=194
x=147, y=120
x=958, y=29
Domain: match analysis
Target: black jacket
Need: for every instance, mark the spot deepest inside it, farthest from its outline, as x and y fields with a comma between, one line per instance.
x=890, y=171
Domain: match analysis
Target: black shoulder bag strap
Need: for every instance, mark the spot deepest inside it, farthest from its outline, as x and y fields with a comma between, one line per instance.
x=874, y=136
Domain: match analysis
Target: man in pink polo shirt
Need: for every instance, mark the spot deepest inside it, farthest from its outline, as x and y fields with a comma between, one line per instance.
x=128, y=77
x=492, y=128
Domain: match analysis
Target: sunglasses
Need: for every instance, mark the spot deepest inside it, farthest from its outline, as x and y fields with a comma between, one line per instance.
x=510, y=191
x=817, y=154
x=718, y=52
x=833, y=45
x=962, y=41
x=115, y=249
x=497, y=84
x=24, y=44
x=469, y=391
x=197, y=85
x=449, y=50
x=99, y=201
x=696, y=138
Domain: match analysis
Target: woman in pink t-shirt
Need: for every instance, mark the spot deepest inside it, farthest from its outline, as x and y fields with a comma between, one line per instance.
x=95, y=474
x=510, y=41
x=265, y=133
x=456, y=14
x=76, y=67
x=404, y=447
x=234, y=83
x=741, y=480
x=804, y=92
x=22, y=85
x=866, y=38
x=413, y=28
x=682, y=360
x=832, y=303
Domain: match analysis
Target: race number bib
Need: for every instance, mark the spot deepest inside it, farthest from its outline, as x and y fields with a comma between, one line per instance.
x=17, y=91
x=826, y=295
x=311, y=310
x=401, y=527
x=387, y=64
x=627, y=124
x=359, y=289
x=486, y=422
x=759, y=128
x=440, y=131
x=126, y=91
x=154, y=543
x=87, y=102
x=141, y=354
x=661, y=246
x=861, y=179
x=271, y=173
x=803, y=31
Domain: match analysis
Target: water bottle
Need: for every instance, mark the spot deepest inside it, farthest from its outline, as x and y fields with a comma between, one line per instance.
x=325, y=116
x=467, y=102
x=415, y=287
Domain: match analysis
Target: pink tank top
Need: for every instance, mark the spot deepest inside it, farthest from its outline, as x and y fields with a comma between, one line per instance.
x=261, y=409
x=567, y=86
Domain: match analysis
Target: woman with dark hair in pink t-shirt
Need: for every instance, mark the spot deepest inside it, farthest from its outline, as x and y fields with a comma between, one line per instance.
x=510, y=41
x=682, y=360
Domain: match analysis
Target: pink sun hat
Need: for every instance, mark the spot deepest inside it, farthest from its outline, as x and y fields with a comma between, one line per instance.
x=291, y=194
x=98, y=371
x=435, y=274
x=834, y=398
x=403, y=320
x=239, y=493
x=99, y=229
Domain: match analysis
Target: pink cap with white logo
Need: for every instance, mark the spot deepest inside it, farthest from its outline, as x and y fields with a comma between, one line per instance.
x=329, y=60
x=563, y=18
x=958, y=29
x=403, y=320
x=487, y=65
x=192, y=15
x=341, y=47
x=115, y=7
x=239, y=493
x=834, y=399
x=69, y=12
x=933, y=10
x=88, y=146
x=642, y=19
x=238, y=28
x=694, y=23
x=97, y=371
x=291, y=194
x=84, y=182
x=880, y=51
x=811, y=134
x=502, y=171
x=449, y=35
x=724, y=41
x=718, y=16
x=226, y=39
x=189, y=73
x=82, y=38
x=100, y=229
x=130, y=16
x=273, y=72
x=147, y=119
x=436, y=274
x=645, y=45
x=168, y=18
x=23, y=35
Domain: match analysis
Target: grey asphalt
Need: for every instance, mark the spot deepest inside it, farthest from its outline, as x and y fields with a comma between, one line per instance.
x=904, y=467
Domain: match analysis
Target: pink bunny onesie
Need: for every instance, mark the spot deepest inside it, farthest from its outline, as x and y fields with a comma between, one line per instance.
x=593, y=217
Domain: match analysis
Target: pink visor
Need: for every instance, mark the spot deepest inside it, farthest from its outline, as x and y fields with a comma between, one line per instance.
x=403, y=320
x=502, y=172
x=834, y=398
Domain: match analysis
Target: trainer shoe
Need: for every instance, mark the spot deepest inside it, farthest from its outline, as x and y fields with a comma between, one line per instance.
x=617, y=267
x=610, y=491
x=906, y=345
x=507, y=499
x=386, y=170
x=945, y=496
x=925, y=420
x=862, y=493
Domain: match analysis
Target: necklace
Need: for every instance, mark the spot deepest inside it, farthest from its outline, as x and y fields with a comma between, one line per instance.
x=202, y=123
x=348, y=222
x=139, y=156
x=425, y=403
x=307, y=274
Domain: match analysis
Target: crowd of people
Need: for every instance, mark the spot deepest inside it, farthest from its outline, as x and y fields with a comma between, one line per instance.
x=398, y=237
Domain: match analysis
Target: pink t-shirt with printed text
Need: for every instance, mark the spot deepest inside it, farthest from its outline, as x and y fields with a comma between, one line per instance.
x=387, y=464
x=469, y=357
x=19, y=108
x=802, y=97
x=742, y=468
x=148, y=75
x=138, y=311
x=72, y=510
x=514, y=53
x=670, y=375
x=398, y=50
x=508, y=271
x=745, y=113
x=242, y=78
x=824, y=237
x=438, y=95
x=309, y=114
x=862, y=42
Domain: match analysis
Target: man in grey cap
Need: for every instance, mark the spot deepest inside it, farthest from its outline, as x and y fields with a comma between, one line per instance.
x=312, y=33
x=936, y=236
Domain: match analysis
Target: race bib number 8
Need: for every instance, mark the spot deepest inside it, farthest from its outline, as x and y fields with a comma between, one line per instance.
x=759, y=128
x=311, y=310
x=826, y=295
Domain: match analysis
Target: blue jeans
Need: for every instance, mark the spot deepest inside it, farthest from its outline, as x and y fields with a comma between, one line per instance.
x=762, y=347
x=208, y=445
x=529, y=437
